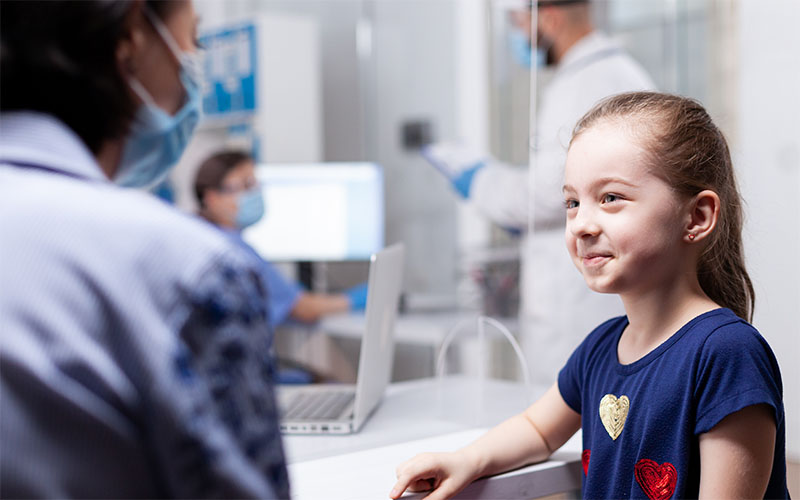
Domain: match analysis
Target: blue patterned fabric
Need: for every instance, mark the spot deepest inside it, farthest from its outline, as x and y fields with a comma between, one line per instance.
x=134, y=351
x=283, y=294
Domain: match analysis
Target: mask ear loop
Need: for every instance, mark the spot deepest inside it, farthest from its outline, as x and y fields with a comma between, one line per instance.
x=163, y=32
x=142, y=92
x=167, y=37
x=191, y=63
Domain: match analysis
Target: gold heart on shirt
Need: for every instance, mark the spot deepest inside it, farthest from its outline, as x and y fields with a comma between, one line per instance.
x=613, y=413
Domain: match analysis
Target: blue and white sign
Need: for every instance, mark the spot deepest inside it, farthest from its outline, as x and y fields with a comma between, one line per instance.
x=230, y=71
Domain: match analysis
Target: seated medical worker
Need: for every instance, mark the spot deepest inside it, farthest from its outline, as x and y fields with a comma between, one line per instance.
x=229, y=197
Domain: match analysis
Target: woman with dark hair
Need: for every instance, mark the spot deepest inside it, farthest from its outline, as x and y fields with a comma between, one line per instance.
x=135, y=343
x=229, y=197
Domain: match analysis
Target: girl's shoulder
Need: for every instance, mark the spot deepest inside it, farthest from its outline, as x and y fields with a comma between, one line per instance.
x=720, y=332
x=735, y=367
x=731, y=338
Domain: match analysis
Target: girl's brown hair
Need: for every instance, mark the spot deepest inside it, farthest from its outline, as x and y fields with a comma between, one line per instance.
x=690, y=153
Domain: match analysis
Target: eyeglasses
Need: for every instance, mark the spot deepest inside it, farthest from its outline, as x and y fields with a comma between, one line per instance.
x=551, y=3
x=238, y=187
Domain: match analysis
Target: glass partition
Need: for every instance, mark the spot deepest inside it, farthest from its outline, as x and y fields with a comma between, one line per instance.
x=376, y=80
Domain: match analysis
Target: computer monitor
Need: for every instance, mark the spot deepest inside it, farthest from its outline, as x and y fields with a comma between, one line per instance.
x=319, y=212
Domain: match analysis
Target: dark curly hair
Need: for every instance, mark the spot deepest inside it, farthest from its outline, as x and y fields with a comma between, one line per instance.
x=59, y=57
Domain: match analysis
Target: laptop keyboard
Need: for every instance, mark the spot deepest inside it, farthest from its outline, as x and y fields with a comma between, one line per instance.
x=326, y=405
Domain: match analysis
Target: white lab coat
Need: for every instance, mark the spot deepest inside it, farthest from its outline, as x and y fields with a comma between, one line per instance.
x=557, y=308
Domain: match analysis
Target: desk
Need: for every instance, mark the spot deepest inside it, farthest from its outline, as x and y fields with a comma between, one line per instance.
x=410, y=421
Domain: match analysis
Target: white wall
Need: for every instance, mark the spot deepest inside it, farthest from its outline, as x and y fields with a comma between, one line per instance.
x=342, y=104
x=412, y=75
x=767, y=155
x=408, y=73
x=288, y=122
x=290, y=115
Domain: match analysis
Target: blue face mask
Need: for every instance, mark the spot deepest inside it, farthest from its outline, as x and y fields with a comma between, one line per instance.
x=523, y=53
x=157, y=139
x=249, y=207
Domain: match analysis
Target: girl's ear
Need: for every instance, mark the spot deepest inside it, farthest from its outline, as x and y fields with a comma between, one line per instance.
x=703, y=216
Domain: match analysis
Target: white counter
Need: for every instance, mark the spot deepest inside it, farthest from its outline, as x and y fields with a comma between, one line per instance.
x=412, y=419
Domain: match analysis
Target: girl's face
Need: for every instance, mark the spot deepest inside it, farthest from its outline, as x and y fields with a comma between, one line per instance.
x=624, y=224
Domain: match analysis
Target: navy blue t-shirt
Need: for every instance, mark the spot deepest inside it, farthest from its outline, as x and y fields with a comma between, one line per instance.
x=641, y=422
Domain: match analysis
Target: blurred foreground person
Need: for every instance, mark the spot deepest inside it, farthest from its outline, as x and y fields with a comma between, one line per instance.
x=134, y=358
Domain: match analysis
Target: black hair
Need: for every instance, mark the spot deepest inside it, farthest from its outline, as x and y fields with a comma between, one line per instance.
x=59, y=57
x=213, y=170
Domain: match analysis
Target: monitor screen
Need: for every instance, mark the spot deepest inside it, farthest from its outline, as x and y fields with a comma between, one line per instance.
x=319, y=212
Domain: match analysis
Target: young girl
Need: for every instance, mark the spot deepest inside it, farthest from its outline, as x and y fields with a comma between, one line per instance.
x=682, y=397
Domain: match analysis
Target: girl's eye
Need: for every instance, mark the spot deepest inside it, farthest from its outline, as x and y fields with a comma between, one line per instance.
x=610, y=198
x=571, y=204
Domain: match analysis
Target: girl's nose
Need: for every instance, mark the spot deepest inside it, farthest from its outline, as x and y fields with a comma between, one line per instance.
x=584, y=224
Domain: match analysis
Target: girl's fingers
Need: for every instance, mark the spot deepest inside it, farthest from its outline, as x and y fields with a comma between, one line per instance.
x=418, y=474
x=443, y=492
x=410, y=482
x=422, y=485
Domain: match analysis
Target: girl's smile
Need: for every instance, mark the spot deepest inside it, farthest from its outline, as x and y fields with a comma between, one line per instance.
x=595, y=260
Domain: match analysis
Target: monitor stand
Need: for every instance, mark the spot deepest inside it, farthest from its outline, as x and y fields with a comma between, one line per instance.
x=305, y=274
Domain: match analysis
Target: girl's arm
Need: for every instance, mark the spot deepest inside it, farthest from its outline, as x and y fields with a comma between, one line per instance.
x=525, y=438
x=736, y=455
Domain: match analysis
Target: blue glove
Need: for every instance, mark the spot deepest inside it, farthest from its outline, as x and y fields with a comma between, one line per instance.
x=463, y=183
x=357, y=296
x=457, y=162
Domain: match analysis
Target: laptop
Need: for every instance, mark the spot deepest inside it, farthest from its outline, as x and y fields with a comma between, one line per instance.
x=343, y=408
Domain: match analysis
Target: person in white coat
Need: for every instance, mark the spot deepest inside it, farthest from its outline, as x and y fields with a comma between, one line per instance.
x=557, y=308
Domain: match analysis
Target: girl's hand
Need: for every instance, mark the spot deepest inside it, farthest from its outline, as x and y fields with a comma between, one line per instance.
x=520, y=440
x=444, y=473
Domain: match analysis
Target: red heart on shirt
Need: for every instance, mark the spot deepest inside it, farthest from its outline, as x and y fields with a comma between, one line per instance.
x=585, y=461
x=657, y=481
